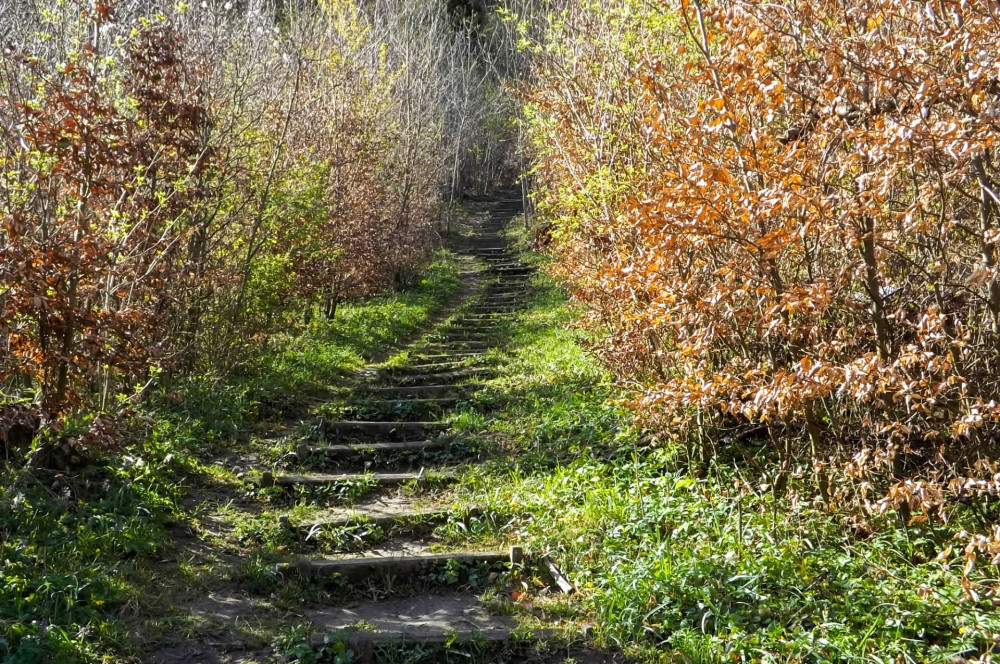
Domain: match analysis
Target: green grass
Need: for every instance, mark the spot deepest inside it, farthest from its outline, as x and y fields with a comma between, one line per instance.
x=701, y=567
x=671, y=566
x=79, y=550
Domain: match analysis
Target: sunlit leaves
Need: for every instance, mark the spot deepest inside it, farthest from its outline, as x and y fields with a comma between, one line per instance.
x=786, y=214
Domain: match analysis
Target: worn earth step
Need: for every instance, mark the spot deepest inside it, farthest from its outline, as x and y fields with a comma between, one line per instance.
x=363, y=643
x=348, y=428
x=356, y=449
x=378, y=479
x=473, y=324
x=469, y=334
x=443, y=376
x=429, y=367
x=462, y=355
x=481, y=332
x=374, y=402
x=374, y=565
x=417, y=390
x=504, y=291
x=381, y=520
x=509, y=261
x=505, y=309
x=477, y=324
x=457, y=346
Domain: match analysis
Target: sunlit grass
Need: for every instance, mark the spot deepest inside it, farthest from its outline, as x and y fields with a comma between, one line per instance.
x=700, y=567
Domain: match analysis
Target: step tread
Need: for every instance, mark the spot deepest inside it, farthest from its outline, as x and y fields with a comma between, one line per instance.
x=381, y=446
x=316, y=479
x=429, y=635
x=374, y=559
x=379, y=424
x=378, y=518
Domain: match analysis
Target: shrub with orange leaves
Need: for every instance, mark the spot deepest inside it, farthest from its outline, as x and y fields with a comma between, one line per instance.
x=788, y=213
x=95, y=201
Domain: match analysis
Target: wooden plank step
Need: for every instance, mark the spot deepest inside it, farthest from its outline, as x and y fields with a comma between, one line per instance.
x=429, y=367
x=472, y=324
x=375, y=402
x=324, y=479
x=367, y=566
x=349, y=427
x=363, y=643
x=457, y=345
x=381, y=520
x=416, y=390
x=303, y=451
x=444, y=356
x=443, y=376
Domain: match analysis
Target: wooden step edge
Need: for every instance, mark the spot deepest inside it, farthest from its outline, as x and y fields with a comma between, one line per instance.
x=329, y=426
x=362, y=643
x=429, y=367
x=374, y=401
x=445, y=356
x=269, y=479
x=353, y=568
x=458, y=345
x=304, y=450
x=416, y=389
x=381, y=520
x=472, y=372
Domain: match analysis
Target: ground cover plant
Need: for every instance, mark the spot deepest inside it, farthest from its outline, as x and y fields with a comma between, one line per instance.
x=704, y=564
x=780, y=221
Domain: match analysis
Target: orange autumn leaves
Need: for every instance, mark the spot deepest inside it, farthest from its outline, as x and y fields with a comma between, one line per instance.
x=95, y=210
x=787, y=213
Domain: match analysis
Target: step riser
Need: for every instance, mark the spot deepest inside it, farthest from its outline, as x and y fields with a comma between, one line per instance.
x=374, y=479
x=420, y=391
x=411, y=450
x=353, y=569
x=395, y=430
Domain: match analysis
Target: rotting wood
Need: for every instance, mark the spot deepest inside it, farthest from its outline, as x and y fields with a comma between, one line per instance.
x=557, y=576
x=367, y=566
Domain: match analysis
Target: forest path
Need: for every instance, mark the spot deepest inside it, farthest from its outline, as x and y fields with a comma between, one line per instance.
x=394, y=440
x=367, y=494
